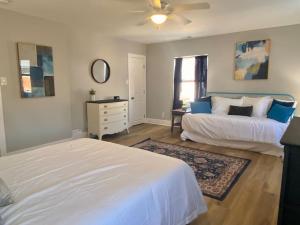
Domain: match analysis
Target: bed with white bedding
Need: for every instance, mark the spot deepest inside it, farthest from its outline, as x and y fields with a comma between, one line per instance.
x=91, y=182
x=252, y=130
x=256, y=134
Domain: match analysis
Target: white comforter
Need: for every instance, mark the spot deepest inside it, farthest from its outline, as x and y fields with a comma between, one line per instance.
x=235, y=128
x=89, y=182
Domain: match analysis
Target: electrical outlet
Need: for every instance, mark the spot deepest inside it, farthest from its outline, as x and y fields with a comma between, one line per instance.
x=163, y=115
x=3, y=81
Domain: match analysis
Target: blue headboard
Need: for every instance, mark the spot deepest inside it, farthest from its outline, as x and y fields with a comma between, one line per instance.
x=280, y=96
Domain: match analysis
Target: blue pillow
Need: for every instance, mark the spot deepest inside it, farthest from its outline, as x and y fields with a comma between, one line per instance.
x=280, y=113
x=205, y=99
x=287, y=104
x=200, y=107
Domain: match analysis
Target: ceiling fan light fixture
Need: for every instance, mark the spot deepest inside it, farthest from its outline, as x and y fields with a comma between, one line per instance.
x=159, y=18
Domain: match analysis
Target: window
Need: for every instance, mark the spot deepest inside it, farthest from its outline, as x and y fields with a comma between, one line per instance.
x=190, y=80
x=187, y=92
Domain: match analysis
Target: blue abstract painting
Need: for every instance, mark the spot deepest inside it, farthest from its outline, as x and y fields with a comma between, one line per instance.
x=252, y=60
x=36, y=70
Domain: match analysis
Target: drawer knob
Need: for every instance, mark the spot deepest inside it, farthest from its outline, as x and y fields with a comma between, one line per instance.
x=105, y=119
x=105, y=128
x=105, y=106
x=124, y=123
x=124, y=116
x=124, y=109
x=105, y=112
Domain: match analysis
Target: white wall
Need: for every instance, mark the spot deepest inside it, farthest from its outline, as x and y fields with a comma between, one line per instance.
x=33, y=122
x=30, y=122
x=284, y=70
x=86, y=46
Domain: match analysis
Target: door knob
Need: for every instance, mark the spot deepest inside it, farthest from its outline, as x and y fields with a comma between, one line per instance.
x=132, y=98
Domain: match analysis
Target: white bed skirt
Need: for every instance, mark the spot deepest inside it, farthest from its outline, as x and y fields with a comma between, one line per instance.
x=263, y=148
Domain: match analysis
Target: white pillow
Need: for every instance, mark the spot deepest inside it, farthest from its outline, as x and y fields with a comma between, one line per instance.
x=220, y=105
x=261, y=105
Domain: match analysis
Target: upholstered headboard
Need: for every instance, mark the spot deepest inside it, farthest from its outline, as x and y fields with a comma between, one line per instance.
x=280, y=96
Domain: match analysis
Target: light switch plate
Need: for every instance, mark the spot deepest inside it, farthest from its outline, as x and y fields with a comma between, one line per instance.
x=3, y=81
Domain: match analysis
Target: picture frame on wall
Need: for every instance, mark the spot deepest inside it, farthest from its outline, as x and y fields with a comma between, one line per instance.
x=252, y=60
x=36, y=72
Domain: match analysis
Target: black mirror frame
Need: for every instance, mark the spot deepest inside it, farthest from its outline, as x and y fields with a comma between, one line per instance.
x=108, y=70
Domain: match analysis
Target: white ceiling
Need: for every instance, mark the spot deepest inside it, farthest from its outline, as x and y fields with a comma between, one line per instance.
x=112, y=17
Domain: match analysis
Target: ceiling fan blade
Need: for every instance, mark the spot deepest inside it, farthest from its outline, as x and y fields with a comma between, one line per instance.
x=142, y=23
x=137, y=11
x=192, y=6
x=180, y=18
x=155, y=4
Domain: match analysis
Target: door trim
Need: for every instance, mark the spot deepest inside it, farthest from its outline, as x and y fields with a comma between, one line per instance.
x=3, y=150
x=132, y=55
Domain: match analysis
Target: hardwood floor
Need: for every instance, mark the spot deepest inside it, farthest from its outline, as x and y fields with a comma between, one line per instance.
x=254, y=199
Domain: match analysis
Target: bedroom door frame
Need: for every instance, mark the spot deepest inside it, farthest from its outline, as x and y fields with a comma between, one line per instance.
x=131, y=91
x=3, y=150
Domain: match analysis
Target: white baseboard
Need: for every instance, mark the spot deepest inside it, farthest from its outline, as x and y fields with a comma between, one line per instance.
x=39, y=146
x=159, y=122
x=77, y=133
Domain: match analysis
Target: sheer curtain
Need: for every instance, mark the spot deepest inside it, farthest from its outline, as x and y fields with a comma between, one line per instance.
x=177, y=83
x=200, y=76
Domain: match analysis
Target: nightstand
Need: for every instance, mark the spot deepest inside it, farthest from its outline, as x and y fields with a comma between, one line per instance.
x=177, y=114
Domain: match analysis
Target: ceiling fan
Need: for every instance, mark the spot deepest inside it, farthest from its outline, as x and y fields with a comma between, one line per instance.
x=159, y=11
x=4, y=1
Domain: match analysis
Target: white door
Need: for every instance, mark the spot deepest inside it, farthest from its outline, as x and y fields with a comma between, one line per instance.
x=2, y=131
x=137, y=88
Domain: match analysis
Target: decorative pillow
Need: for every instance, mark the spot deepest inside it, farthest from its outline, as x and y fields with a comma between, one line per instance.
x=283, y=103
x=260, y=105
x=220, y=105
x=281, y=113
x=240, y=110
x=200, y=107
x=205, y=99
x=5, y=196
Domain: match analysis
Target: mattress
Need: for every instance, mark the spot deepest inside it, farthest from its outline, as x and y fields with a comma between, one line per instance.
x=89, y=182
x=258, y=134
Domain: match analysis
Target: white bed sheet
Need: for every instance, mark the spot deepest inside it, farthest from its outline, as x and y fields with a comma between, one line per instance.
x=89, y=182
x=233, y=129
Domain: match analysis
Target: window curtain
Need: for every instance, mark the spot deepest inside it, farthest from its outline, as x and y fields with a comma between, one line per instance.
x=200, y=77
x=177, y=83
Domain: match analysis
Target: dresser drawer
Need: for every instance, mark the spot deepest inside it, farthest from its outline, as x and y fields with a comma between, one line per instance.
x=114, y=127
x=111, y=111
x=113, y=118
x=113, y=105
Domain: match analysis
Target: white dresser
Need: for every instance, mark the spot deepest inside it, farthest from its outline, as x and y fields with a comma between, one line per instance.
x=107, y=117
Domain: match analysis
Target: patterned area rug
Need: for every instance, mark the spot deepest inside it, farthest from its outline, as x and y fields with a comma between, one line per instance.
x=216, y=173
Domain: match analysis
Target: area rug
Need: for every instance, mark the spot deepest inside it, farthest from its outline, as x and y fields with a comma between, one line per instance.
x=216, y=173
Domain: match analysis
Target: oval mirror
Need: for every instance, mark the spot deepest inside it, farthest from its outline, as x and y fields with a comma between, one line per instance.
x=100, y=71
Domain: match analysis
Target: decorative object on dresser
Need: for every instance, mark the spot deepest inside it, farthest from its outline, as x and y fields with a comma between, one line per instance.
x=289, y=208
x=100, y=71
x=92, y=95
x=36, y=73
x=107, y=117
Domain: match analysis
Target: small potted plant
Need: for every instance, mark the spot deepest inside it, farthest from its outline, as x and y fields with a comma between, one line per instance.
x=92, y=95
